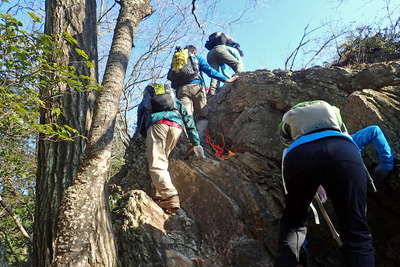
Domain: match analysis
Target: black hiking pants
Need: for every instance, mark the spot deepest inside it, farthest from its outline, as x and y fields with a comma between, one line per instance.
x=336, y=164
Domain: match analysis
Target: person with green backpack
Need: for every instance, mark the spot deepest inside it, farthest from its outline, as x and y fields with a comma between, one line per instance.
x=186, y=77
x=161, y=119
x=321, y=152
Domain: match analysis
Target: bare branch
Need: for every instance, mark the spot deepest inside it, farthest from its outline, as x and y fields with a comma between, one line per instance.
x=21, y=228
x=324, y=45
x=296, y=50
x=196, y=18
x=292, y=57
x=244, y=11
x=105, y=13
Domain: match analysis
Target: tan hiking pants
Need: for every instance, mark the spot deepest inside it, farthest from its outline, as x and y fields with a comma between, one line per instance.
x=218, y=56
x=160, y=141
x=193, y=97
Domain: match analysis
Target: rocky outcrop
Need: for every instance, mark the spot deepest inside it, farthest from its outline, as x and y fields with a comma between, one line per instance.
x=234, y=205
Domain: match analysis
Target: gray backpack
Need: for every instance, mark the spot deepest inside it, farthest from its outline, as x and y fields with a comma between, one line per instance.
x=308, y=117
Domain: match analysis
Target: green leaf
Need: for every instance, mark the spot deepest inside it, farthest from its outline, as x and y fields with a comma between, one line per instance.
x=89, y=64
x=70, y=39
x=57, y=111
x=82, y=53
x=69, y=128
x=34, y=17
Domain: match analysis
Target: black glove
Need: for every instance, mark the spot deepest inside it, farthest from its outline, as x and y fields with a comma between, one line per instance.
x=379, y=176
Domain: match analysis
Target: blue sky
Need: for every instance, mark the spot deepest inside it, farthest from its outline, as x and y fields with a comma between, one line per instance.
x=268, y=33
x=275, y=28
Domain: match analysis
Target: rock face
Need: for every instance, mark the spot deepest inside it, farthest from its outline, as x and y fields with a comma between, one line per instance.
x=232, y=207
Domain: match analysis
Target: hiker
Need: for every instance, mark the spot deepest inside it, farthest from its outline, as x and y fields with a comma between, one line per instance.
x=320, y=152
x=161, y=119
x=364, y=137
x=189, y=83
x=223, y=50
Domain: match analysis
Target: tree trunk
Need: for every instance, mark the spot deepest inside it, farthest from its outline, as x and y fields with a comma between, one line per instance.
x=58, y=161
x=84, y=232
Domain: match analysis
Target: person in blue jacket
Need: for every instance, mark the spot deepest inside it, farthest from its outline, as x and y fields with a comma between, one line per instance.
x=321, y=153
x=193, y=94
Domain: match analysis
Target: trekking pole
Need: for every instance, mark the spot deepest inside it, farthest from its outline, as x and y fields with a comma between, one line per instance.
x=371, y=180
x=334, y=233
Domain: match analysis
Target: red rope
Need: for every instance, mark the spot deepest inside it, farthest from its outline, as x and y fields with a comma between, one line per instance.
x=219, y=151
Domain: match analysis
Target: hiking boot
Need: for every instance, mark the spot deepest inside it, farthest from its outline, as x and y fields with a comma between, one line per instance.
x=170, y=205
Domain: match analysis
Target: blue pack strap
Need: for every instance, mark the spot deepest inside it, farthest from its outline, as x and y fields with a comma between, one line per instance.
x=315, y=136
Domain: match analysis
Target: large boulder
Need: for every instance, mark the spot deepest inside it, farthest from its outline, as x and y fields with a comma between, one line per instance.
x=234, y=205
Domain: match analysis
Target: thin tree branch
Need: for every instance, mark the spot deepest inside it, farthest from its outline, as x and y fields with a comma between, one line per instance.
x=332, y=38
x=295, y=51
x=196, y=18
x=293, y=55
x=105, y=13
x=21, y=228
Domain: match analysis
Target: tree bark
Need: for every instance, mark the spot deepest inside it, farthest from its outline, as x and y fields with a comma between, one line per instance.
x=58, y=161
x=84, y=232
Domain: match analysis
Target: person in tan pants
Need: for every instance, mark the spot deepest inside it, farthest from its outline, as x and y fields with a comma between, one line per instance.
x=160, y=141
x=162, y=129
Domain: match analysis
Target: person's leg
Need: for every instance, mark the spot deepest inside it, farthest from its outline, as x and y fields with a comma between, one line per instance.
x=199, y=103
x=302, y=186
x=171, y=203
x=224, y=57
x=156, y=144
x=172, y=139
x=346, y=184
x=184, y=94
x=199, y=100
x=213, y=61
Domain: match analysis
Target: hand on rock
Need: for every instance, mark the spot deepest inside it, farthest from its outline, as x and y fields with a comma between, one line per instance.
x=199, y=152
x=232, y=79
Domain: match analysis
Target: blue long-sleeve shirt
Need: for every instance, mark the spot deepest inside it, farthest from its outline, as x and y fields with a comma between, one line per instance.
x=210, y=71
x=374, y=135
